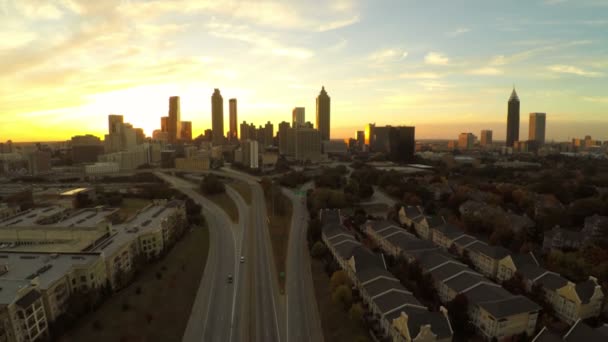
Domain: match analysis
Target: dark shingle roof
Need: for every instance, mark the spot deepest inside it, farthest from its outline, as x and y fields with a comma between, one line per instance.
x=394, y=299
x=582, y=332
x=494, y=252
x=464, y=281
x=487, y=292
x=379, y=225
x=28, y=299
x=408, y=242
x=546, y=335
x=332, y=229
x=381, y=285
x=393, y=231
x=552, y=281
x=511, y=306
x=464, y=240
x=345, y=249
x=330, y=216
x=435, y=221
x=412, y=211
x=450, y=231
x=585, y=290
x=530, y=272
x=418, y=317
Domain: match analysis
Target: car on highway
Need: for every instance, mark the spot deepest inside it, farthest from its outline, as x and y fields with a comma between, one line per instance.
x=230, y=279
x=242, y=259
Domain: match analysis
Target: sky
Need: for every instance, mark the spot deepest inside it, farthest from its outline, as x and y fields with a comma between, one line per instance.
x=443, y=66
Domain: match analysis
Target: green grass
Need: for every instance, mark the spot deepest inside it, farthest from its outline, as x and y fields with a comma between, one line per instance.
x=336, y=324
x=227, y=204
x=167, y=301
x=279, y=227
x=243, y=189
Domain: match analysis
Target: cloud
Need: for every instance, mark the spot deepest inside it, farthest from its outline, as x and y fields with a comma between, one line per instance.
x=262, y=43
x=436, y=58
x=569, y=69
x=338, y=24
x=38, y=9
x=387, y=55
x=458, y=31
x=420, y=75
x=554, y=2
x=597, y=99
x=339, y=45
x=486, y=71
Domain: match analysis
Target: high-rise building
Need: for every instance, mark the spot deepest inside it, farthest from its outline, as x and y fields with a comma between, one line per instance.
x=298, y=117
x=402, y=143
x=245, y=131
x=513, y=119
x=39, y=162
x=140, y=136
x=323, y=114
x=115, y=123
x=234, y=134
x=486, y=137
x=174, y=123
x=268, y=134
x=164, y=124
x=307, y=144
x=217, y=117
x=538, y=123
x=379, y=139
x=283, y=127
x=466, y=141
x=360, y=139
x=186, y=134
x=250, y=150
x=86, y=149
x=369, y=131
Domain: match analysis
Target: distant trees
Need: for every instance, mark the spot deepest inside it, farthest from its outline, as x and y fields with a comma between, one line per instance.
x=337, y=279
x=318, y=250
x=332, y=178
x=212, y=185
x=293, y=179
x=458, y=310
x=356, y=312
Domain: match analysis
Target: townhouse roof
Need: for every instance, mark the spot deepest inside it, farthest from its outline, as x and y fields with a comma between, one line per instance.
x=382, y=284
x=330, y=216
x=389, y=231
x=546, y=335
x=585, y=290
x=345, y=248
x=448, y=270
x=494, y=252
x=522, y=260
x=412, y=211
x=409, y=243
x=552, y=281
x=486, y=292
x=464, y=280
x=394, y=299
x=464, y=240
x=432, y=259
x=417, y=317
x=510, y=306
x=450, y=231
x=365, y=260
x=434, y=221
x=382, y=224
x=11, y=288
x=530, y=272
x=332, y=229
x=582, y=332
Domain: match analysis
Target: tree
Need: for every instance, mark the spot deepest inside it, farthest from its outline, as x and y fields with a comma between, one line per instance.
x=318, y=250
x=314, y=231
x=212, y=185
x=515, y=284
x=342, y=295
x=339, y=278
x=458, y=310
x=356, y=312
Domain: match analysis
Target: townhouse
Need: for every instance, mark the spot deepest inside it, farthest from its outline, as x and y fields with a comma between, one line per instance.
x=495, y=312
x=579, y=331
x=400, y=315
x=408, y=214
x=394, y=240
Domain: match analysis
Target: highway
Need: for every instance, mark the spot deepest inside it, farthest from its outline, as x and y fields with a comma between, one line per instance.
x=303, y=322
x=213, y=314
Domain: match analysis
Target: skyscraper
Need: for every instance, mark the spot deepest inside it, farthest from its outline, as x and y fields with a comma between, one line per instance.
x=234, y=135
x=466, y=141
x=513, y=119
x=164, y=124
x=268, y=134
x=402, y=143
x=115, y=123
x=538, y=123
x=297, y=117
x=486, y=137
x=283, y=127
x=360, y=139
x=217, y=117
x=323, y=114
x=186, y=133
x=174, y=123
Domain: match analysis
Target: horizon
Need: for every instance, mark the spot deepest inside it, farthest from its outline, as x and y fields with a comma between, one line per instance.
x=69, y=64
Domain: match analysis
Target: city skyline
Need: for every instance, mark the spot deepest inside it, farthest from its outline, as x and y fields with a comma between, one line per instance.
x=449, y=79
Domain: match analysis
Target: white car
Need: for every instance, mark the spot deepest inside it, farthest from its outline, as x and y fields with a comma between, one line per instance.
x=242, y=259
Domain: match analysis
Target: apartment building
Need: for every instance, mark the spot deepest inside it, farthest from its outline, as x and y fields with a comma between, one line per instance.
x=424, y=224
x=22, y=316
x=485, y=258
x=445, y=235
x=396, y=241
x=400, y=315
x=579, y=331
x=147, y=233
x=408, y=214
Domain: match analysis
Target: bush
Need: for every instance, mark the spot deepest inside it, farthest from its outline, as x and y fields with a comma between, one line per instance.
x=339, y=278
x=342, y=295
x=318, y=250
x=356, y=312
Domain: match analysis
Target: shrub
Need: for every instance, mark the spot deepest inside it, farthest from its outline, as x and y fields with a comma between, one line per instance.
x=342, y=295
x=318, y=250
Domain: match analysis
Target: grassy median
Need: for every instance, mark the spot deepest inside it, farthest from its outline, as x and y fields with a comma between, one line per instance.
x=157, y=305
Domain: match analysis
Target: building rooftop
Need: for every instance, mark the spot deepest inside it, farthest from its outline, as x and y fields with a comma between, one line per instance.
x=75, y=192
x=9, y=289
x=31, y=217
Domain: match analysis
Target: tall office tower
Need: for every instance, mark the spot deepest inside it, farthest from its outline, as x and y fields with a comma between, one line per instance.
x=234, y=135
x=140, y=136
x=174, y=124
x=297, y=117
x=283, y=127
x=369, y=132
x=250, y=150
x=323, y=114
x=164, y=124
x=186, y=133
x=268, y=134
x=402, y=143
x=486, y=137
x=360, y=139
x=115, y=123
x=538, y=122
x=466, y=141
x=217, y=117
x=513, y=119
x=307, y=144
